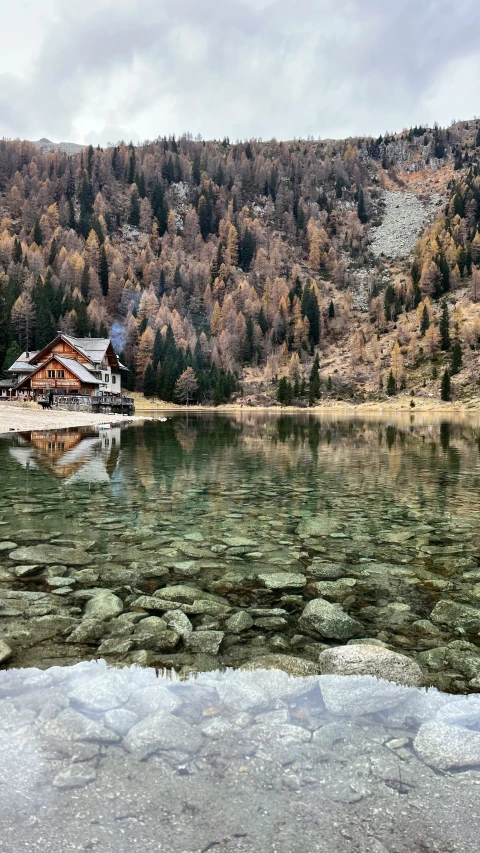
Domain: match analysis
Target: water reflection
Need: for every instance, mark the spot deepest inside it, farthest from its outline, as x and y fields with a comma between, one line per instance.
x=82, y=455
x=376, y=518
x=120, y=760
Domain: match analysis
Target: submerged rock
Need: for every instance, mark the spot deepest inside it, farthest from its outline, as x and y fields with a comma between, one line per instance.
x=363, y=659
x=457, y=616
x=329, y=620
x=287, y=663
x=105, y=605
x=46, y=555
x=239, y=622
x=282, y=580
x=89, y=631
x=159, y=732
x=5, y=651
x=447, y=747
x=355, y=695
x=204, y=642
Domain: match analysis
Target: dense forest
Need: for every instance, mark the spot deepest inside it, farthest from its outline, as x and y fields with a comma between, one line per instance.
x=249, y=262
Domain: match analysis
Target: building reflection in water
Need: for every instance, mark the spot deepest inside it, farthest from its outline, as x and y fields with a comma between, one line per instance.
x=82, y=455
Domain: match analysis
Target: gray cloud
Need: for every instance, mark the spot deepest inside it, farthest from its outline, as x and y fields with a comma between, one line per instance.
x=104, y=70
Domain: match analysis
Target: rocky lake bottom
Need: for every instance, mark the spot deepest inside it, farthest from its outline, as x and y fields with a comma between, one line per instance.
x=263, y=564
x=127, y=759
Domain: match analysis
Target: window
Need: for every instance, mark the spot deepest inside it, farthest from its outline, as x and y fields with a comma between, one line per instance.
x=60, y=374
x=106, y=377
x=114, y=380
x=51, y=374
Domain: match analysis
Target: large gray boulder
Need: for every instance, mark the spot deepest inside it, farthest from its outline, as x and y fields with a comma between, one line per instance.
x=105, y=605
x=447, y=747
x=363, y=659
x=329, y=620
x=282, y=580
x=159, y=732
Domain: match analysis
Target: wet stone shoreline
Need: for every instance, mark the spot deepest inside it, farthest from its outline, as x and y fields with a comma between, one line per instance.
x=127, y=759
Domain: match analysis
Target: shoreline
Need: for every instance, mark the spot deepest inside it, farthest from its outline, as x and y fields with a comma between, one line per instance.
x=27, y=417
x=16, y=418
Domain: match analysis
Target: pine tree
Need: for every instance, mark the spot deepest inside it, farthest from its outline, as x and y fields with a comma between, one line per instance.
x=37, y=235
x=311, y=311
x=103, y=270
x=11, y=355
x=456, y=362
x=53, y=252
x=149, y=380
x=445, y=328
x=17, y=253
x=391, y=385
x=134, y=217
x=331, y=310
x=425, y=322
x=361, y=209
x=314, y=382
x=446, y=391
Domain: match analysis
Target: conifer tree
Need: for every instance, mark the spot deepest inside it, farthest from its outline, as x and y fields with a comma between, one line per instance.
x=314, y=382
x=391, y=385
x=361, y=209
x=11, y=356
x=149, y=380
x=425, y=322
x=37, y=235
x=103, y=270
x=444, y=328
x=446, y=391
x=134, y=217
x=457, y=359
x=331, y=310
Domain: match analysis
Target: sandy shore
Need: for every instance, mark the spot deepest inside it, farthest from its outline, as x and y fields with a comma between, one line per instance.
x=24, y=418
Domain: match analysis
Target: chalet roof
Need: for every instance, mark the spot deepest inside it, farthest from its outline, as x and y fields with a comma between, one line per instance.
x=8, y=383
x=77, y=368
x=22, y=364
x=93, y=348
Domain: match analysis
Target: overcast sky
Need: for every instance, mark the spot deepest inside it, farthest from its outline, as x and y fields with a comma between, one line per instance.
x=104, y=70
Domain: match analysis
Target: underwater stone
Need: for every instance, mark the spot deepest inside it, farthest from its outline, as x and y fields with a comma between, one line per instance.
x=329, y=620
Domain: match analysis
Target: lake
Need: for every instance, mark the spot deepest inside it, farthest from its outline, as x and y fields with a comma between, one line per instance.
x=115, y=543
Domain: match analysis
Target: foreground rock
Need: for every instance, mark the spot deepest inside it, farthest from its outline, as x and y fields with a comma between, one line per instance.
x=329, y=620
x=366, y=659
x=447, y=747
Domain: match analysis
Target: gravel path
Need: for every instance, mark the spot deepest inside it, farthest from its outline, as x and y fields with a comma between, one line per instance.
x=403, y=221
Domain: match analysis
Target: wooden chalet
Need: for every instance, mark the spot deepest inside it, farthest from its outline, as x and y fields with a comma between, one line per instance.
x=73, y=371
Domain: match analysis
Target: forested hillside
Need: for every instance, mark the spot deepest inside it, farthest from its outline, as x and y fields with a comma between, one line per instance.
x=276, y=270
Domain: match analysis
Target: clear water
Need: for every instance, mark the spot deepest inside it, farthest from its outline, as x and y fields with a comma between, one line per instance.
x=122, y=760
x=381, y=518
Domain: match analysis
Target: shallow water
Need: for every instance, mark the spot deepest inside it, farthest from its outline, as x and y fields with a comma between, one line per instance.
x=267, y=513
x=121, y=760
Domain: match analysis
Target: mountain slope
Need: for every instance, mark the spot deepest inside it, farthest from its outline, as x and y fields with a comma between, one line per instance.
x=250, y=259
